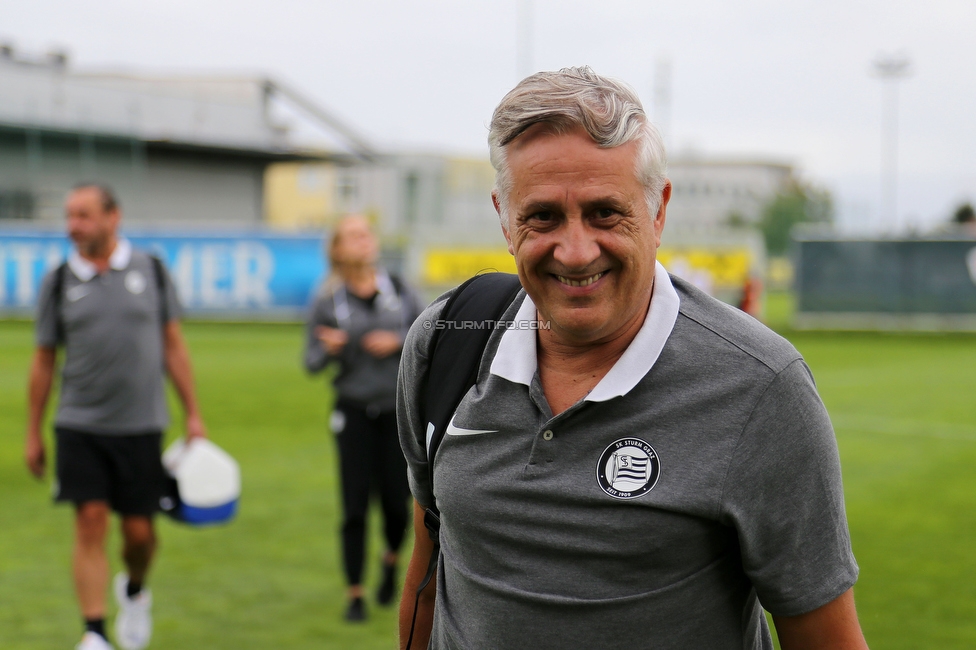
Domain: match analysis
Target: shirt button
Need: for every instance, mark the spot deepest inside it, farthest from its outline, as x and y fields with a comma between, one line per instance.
x=547, y=435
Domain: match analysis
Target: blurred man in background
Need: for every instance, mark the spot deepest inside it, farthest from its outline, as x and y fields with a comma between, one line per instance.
x=115, y=312
x=647, y=468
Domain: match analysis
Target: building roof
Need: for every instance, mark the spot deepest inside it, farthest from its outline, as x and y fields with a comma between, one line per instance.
x=232, y=114
x=685, y=160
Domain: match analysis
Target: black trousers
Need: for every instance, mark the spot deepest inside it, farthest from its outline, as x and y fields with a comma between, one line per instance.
x=369, y=459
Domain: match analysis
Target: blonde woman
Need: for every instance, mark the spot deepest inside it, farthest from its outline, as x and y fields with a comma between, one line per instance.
x=359, y=320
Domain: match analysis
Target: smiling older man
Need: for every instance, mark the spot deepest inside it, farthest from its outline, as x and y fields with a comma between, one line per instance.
x=651, y=468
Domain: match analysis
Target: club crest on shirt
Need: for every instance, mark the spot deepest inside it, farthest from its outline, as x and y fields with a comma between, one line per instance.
x=628, y=468
x=135, y=282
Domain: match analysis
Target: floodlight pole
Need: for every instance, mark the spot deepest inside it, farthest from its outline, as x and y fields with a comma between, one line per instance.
x=523, y=43
x=890, y=69
x=662, y=98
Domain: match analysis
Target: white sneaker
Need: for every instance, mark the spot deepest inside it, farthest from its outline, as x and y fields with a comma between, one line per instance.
x=133, y=623
x=92, y=641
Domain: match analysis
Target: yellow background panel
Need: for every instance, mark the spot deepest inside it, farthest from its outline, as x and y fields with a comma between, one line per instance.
x=455, y=265
x=727, y=267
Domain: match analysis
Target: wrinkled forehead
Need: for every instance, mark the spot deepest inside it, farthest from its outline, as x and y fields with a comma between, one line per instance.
x=543, y=150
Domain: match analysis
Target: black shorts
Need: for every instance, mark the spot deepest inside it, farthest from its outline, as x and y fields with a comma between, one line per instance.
x=124, y=470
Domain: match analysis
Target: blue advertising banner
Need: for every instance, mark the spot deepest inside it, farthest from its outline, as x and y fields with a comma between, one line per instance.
x=233, y=276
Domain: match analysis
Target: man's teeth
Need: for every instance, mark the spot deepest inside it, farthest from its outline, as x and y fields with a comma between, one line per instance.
x=580, y=283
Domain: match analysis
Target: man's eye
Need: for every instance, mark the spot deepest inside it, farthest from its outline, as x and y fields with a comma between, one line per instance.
x=543, y=217
x=605, y=213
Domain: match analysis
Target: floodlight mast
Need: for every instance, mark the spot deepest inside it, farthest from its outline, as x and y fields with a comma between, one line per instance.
x=890, y=69
x=662, y=98
x=523, y=43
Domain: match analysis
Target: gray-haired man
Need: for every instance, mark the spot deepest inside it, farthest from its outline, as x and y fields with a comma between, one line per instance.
x=652, y=468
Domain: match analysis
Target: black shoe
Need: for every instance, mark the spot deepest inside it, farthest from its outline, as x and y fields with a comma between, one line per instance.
x=356, y=611
x=387, y=590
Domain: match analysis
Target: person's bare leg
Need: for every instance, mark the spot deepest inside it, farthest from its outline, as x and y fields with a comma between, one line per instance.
x=139, y=546
x=90, y=563
x=133, y=624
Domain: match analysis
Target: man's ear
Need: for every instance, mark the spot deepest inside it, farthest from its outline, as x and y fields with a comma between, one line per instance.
x=662, y=211
x=114, y=217
x=498, y=209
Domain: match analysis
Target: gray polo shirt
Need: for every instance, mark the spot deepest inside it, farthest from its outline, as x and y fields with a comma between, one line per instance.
x=112, y=378
x=697, y=480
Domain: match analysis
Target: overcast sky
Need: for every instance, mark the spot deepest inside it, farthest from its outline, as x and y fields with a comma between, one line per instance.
x=787, y=81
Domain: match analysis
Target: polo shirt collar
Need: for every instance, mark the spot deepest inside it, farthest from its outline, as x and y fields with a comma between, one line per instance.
x=516, y=360
x=118, y=260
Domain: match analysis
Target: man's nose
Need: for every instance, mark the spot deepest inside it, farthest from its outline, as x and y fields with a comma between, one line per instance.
x=577, y=247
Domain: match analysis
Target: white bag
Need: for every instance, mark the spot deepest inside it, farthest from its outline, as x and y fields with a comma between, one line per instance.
x=207, y=482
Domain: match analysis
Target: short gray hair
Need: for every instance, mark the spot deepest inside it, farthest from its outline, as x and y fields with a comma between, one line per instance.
x=107, y=196
x=607, y=109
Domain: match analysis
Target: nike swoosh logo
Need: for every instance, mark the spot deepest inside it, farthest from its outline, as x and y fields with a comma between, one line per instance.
x=458, y=431
x=76, y=293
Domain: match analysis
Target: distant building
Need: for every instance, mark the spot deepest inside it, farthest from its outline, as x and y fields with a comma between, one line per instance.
x=177, y=150
x=185, y=153
x=713, y=192
x=430, y=211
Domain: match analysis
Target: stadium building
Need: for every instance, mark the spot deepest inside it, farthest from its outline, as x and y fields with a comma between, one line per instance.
x=233, y=155
x=709, y=193
x=178, y=150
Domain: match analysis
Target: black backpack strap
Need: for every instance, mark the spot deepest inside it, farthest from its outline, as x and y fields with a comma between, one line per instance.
x=456, y=350
x=57, y=294
x=397, y=283
x=160, y=272
x=454, y=360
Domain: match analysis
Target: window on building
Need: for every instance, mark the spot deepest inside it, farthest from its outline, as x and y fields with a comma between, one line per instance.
x=411, y=197
x=16, y=204
x=348, y=188
x=313, y=180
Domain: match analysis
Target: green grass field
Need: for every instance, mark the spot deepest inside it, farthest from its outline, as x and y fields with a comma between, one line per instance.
x=903, y=407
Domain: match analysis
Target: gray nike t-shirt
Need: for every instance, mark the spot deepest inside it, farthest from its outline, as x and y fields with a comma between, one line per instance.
x=112, y=380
